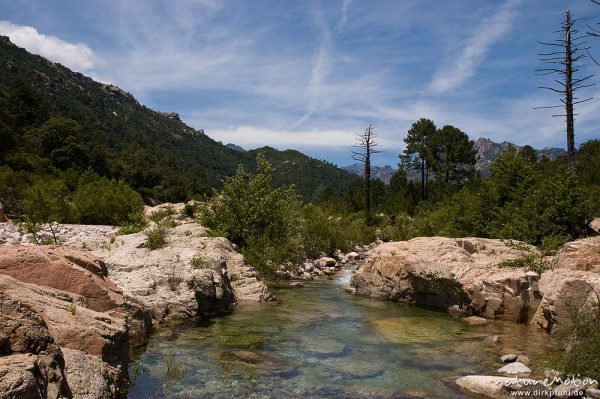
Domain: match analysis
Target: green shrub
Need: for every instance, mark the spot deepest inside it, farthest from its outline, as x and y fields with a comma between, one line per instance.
x=264, y=221
x=326, y=231
x=105, y=201
x=551, y=244
x=157, y=237
x=189, y=210
x=530, y=262
x=198, y=262
x=159, y=215
x=47, y=201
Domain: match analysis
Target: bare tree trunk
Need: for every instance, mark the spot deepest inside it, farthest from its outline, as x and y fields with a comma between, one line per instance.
x=565, y=58
x=367, y=184
x=569, y=96
x=423, y=192
x=366, y=143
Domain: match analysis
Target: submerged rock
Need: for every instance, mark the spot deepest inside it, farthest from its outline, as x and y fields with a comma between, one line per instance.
x=415, y=329
x=354, y=368
x=474, y=321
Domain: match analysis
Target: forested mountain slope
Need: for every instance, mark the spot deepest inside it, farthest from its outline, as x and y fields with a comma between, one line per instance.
x=53, y=117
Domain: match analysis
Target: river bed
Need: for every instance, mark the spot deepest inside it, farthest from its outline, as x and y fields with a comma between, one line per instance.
x=318, y=341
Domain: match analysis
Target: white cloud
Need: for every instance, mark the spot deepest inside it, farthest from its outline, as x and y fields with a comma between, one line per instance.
x=319, y=72
x=344, y=14
x=253, y=136
x=78, y=57
x=453, y=72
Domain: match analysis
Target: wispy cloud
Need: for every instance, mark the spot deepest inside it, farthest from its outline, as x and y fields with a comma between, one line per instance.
x=320, y=68
x=344, y=15
x=77, y=56
x=462, y=65
x=255, y=136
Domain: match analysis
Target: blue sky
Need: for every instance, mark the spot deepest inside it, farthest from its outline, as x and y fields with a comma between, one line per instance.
x=310, y=75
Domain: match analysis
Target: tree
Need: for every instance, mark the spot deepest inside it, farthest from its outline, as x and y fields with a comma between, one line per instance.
x=104, y=201
x=418, y=144
x=46, y=202
x=452, y=154
x=264, y=221
x=528, y=153
x=366, y=145
x=564, y=62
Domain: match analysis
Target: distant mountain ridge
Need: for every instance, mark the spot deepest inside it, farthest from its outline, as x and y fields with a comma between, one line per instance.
x=487, y=152
x=383, y=173
x=311, y=177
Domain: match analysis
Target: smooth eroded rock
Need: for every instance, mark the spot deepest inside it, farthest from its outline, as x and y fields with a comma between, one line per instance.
x=192, y=276
x=446, y=272
x=474, y=321
x=515, y=368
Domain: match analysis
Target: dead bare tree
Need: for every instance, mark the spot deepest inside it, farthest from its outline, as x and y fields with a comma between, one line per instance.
x=565, y=62
x=366, y=145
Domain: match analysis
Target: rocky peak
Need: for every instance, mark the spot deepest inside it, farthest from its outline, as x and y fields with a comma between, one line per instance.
x=116, y=91
x=171, y=115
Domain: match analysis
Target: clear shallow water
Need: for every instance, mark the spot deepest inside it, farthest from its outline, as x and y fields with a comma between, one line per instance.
x=320, y=342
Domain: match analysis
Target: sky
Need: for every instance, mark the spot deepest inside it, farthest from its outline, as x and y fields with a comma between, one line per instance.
x=311, y=75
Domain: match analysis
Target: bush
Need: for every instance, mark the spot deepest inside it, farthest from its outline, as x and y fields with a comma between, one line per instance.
x=160, y=214
x=325, y=231
x=264, y=221
x=47, y=202
x=549, y=207
x=157, y=237
x=105, y=201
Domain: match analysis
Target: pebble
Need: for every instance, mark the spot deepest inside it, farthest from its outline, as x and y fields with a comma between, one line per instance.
x=475, y=321
x=509, y=358
x=515, y=368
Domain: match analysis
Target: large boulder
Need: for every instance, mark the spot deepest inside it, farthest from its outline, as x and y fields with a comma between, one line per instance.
x=65, y=269
x=38, y=323
x=446, y=272
x=192, y=276
x=573, y=286
x=76, y=272
x=582, y=254
x=566, y=293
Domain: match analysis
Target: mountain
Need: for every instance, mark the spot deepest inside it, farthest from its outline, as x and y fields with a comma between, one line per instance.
x=487, y=151
x=234, y=147
x=311, y=177
x=116, y=136
x=383, y=173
